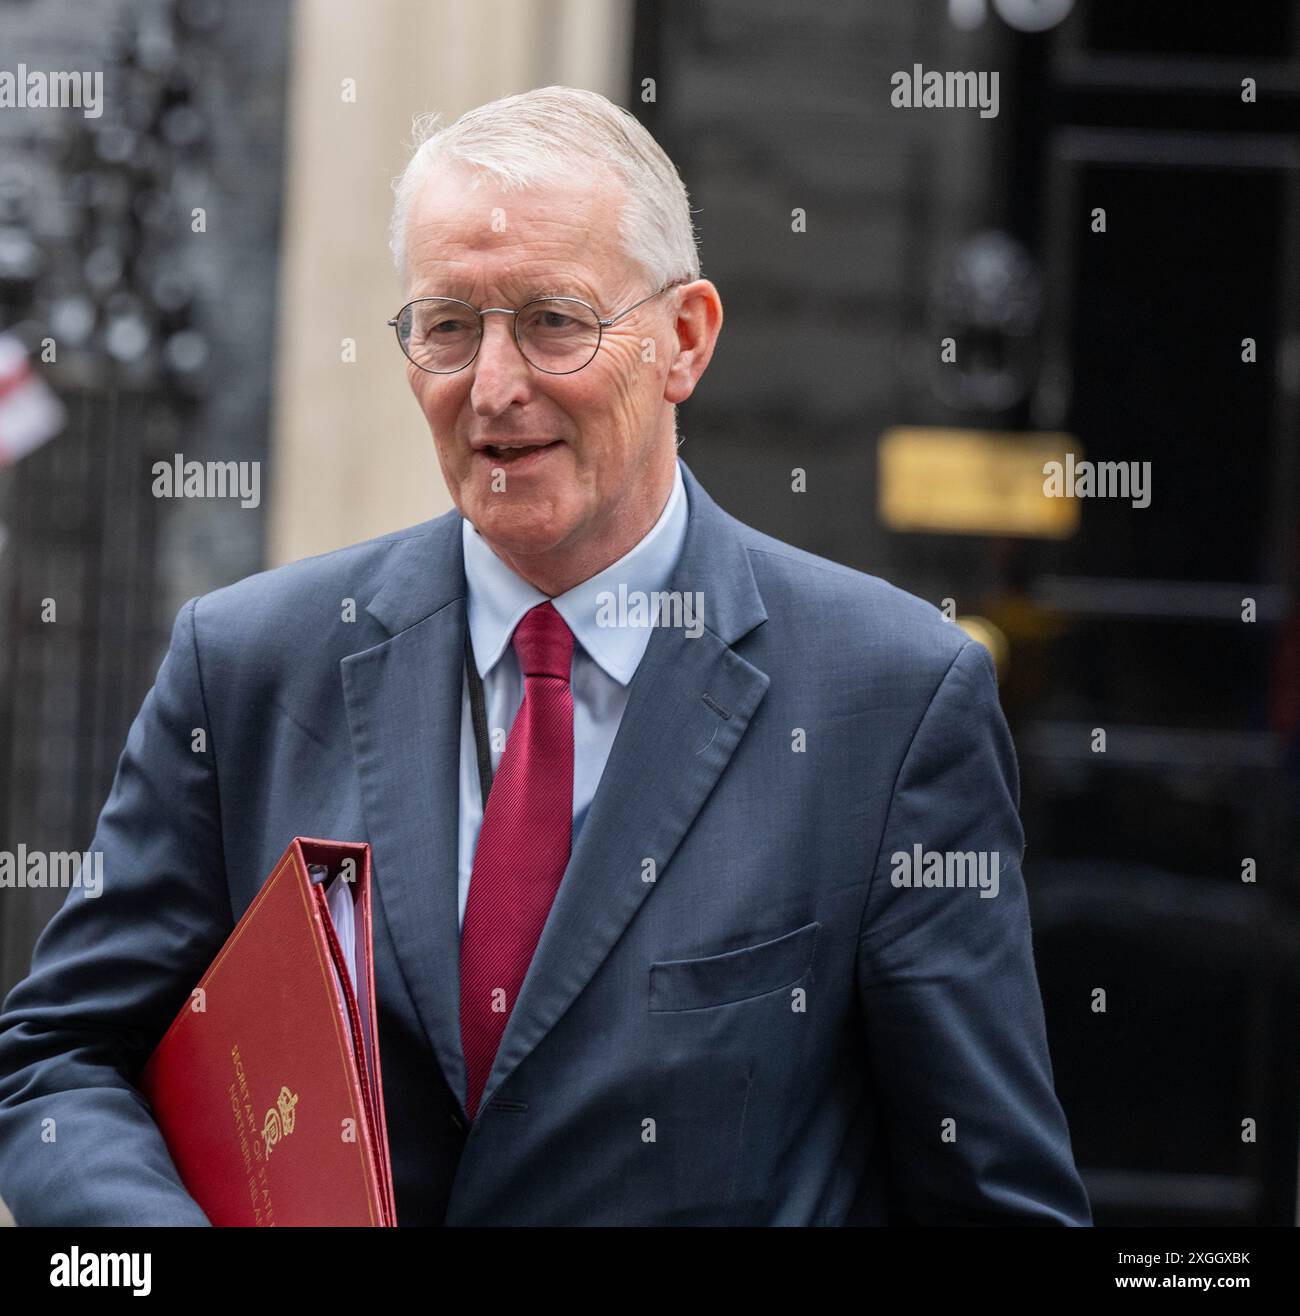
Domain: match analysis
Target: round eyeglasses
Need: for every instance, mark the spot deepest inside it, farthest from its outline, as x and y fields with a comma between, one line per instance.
x=557, y=335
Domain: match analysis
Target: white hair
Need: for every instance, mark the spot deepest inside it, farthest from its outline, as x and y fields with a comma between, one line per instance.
x=536, y=138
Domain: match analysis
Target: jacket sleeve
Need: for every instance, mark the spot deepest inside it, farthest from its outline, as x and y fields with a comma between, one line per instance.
x=972, y=1127
x=77, y=1143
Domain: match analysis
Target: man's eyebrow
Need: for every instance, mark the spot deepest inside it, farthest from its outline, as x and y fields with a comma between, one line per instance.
x=455, y=288
x=554, y=290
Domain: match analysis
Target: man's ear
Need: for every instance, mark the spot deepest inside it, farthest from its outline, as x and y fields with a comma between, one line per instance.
x=697, y=324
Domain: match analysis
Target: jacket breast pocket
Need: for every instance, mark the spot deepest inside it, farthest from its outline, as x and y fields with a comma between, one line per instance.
x=737, y=975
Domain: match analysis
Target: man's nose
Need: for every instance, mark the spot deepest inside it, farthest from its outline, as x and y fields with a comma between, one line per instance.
x=500, y=372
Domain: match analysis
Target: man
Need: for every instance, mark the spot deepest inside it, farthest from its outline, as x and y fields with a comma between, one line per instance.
x=670, y=976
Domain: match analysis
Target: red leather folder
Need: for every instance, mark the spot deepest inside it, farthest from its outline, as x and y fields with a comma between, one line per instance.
x=267, y=1086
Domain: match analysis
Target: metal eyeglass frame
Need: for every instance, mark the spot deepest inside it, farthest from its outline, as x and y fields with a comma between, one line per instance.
x=601, y=326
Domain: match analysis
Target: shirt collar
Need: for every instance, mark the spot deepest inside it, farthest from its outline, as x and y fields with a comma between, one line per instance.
x=498, y=597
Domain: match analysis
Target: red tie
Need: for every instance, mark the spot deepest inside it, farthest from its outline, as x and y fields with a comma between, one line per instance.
x=523, y=845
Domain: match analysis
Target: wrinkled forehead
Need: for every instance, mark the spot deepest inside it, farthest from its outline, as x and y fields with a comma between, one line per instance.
x=467, y=231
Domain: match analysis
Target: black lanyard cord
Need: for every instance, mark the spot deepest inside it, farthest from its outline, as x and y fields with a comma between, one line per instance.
x=478, y=715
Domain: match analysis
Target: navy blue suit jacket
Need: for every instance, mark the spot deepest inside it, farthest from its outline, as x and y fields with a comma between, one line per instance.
x=735, y=1015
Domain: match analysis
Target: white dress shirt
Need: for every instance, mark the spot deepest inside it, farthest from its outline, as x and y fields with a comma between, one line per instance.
x=605, y=658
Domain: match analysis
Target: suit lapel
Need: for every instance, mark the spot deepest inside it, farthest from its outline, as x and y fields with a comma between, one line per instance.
x=404, y=708
x=688, y=707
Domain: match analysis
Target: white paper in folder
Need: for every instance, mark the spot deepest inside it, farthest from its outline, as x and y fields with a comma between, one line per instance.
x=339, y=898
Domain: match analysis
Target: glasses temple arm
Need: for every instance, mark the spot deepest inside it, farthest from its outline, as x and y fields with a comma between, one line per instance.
x=614, y=319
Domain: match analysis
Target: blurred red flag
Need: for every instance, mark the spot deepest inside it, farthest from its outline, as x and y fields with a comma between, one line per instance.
x=29, y=412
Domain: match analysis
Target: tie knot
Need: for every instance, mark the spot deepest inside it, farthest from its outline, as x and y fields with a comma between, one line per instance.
x=544, y=643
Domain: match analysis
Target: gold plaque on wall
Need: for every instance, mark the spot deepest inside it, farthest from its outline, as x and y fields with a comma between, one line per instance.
x=973, y=482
